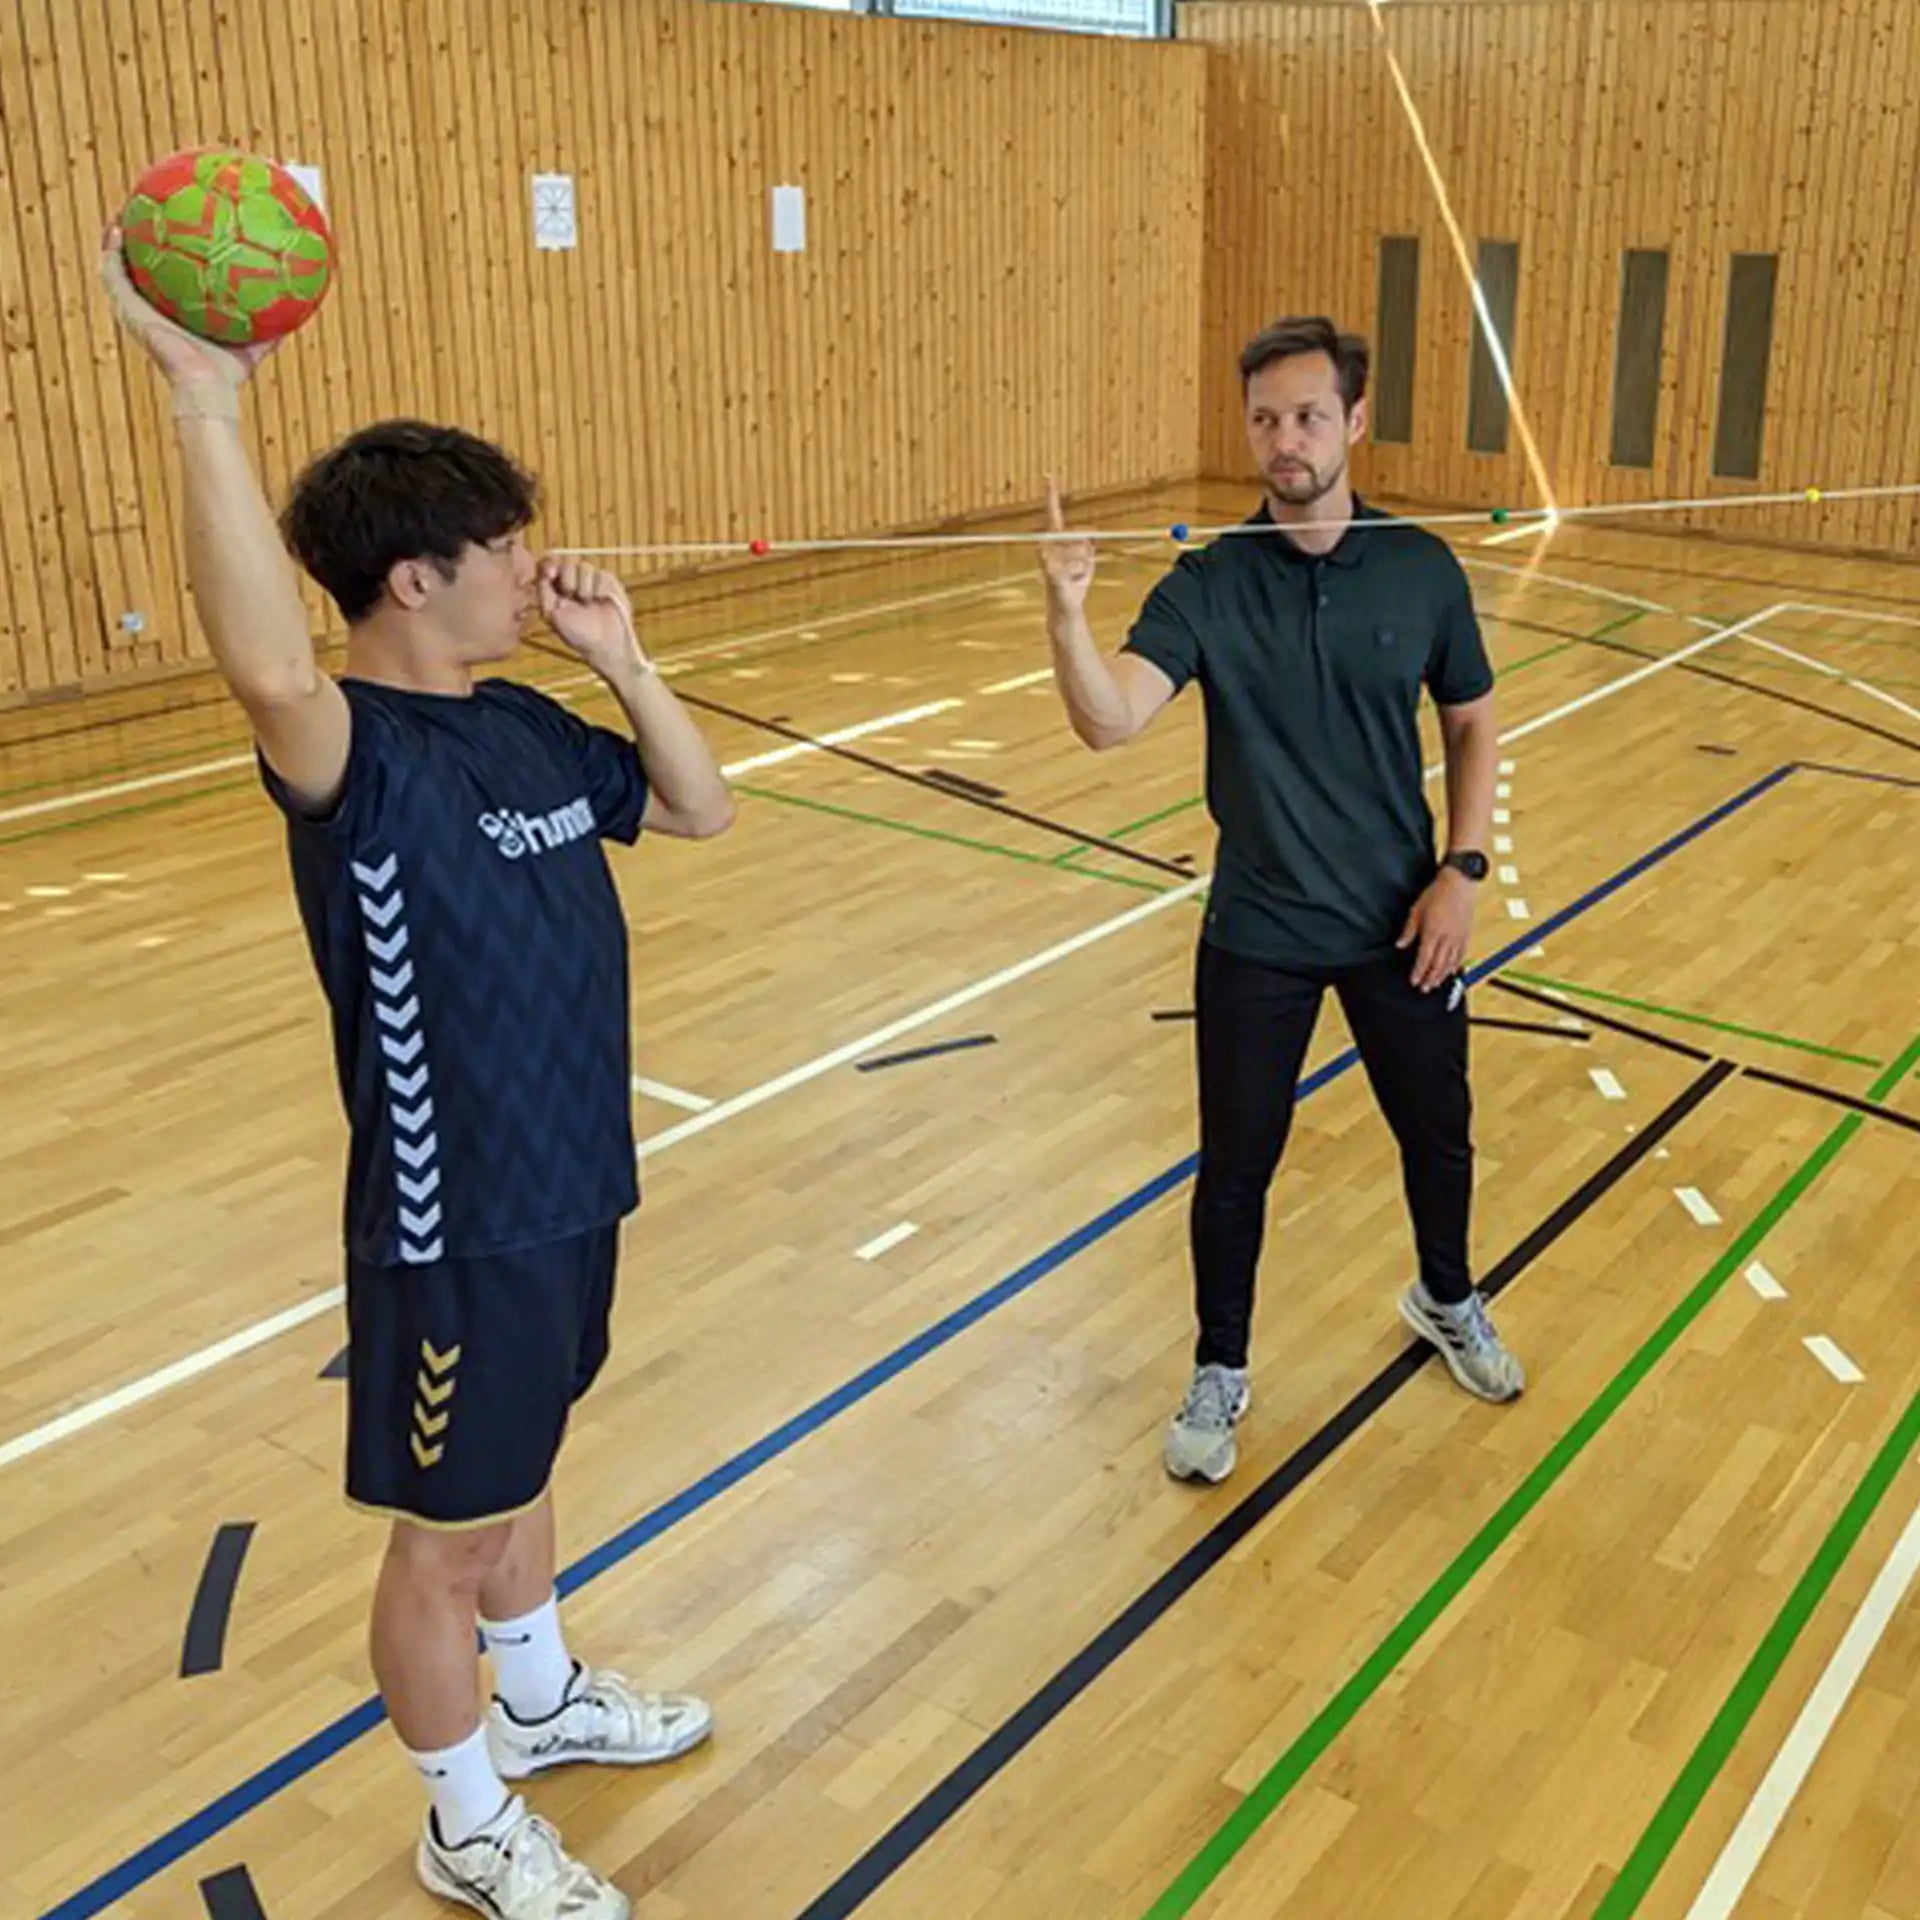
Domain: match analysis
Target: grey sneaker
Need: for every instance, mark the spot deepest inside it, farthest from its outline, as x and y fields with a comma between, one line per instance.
x=1467, y=1343
x=1199, y=1444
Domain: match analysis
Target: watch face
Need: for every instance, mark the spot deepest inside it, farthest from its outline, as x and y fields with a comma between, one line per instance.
x=1473, y=865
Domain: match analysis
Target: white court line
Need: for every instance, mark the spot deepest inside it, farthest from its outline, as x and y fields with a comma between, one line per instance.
x=908, y=1023
x=670, y=1096
x=1518, y=910
x=1504, y=791
x=145, y=783
x=1748, y=1843
x=1502, y=817
x=1697, y=1204
x=1019, y=681
x=1855, y=613
x=839, y=736
x=1506, y=767
x=1503, y=843
x=1833, y=1359
x=1507, y=535
x=90, y=1413
x=1509, y=876
x=1610, y=1088
x=1834, y=673
x=1764, y=1284
x=94, y=1411
x=886, y=1241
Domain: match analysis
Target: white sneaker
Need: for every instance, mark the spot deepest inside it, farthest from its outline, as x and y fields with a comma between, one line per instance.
x=515, y=1868
x=601, y=1720
x=1200, y=1443
x=1468, y=1344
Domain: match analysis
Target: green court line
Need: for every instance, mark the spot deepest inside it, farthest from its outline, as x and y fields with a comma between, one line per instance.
x=1690, y=1019
x=1339, y=1712
x=1547, y=653
x=811, y=805
x=1663, y=1832
x=1132, y=827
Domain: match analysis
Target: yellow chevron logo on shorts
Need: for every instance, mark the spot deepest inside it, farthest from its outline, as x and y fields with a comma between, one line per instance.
x=430, y=1424
x=439, y=1362
x=434, y=1393
x=427, y=1456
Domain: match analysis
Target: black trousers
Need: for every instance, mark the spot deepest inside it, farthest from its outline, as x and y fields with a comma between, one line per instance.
x=1253, y=1023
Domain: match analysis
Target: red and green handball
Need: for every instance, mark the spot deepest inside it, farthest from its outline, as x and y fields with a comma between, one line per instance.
x=229, y=245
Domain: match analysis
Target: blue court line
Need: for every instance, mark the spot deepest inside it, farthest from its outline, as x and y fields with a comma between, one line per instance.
x=219, y=1814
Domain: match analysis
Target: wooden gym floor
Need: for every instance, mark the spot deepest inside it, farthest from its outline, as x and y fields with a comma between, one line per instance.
x=876, y=1463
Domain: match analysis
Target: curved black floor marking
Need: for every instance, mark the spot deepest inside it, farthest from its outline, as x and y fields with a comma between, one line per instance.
x=914, y=1829
x=928, y=1053
x=229, y=1895
x=1577, y=1034
x=1861, y=773
x=205, y=1646
x=336, y=1368
x=1175, y=1013
x=1768, y=693
x=1606, y=1020
x=875, y=765
x=1726, y=752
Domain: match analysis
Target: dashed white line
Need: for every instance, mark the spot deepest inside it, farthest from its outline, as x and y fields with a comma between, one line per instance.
x=1509, y=876
x=1697, y=1204
x=1018, y=681
x=1764, y=1284
x=886, y=1242
x=1610, y=1088
x=670, y=1096
x=1833, y=1359
x=1519, y=910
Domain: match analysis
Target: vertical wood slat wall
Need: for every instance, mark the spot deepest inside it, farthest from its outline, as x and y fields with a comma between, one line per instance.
x=1581, y=129
x=1002, y=271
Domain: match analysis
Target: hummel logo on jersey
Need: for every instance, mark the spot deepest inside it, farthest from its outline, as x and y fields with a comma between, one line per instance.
x=514, y=833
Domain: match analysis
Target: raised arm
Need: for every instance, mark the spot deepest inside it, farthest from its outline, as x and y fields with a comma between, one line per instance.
x=244, y=587
x=1109, y=698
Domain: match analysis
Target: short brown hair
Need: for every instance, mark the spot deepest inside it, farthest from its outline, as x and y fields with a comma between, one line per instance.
x=1289, y=339
x=401, y=490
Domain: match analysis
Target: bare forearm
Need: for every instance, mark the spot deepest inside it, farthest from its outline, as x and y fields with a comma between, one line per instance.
x=681, y=771
x=1472, y=764
x=243, y=583
x=1095, y=701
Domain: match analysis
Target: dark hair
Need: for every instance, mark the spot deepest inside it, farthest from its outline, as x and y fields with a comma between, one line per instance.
x=401, y=490
x=1288, y=339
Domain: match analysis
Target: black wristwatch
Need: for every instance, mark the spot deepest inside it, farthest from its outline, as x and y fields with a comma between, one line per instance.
x=1473, y=865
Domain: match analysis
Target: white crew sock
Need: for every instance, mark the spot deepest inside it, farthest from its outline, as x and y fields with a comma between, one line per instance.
x=466, y=1790
x=531, y=1666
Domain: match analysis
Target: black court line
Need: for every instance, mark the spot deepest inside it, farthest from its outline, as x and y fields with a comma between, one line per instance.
x=1769, y=693
x=928, y=1053
x=920, y=1823
x=1577, y=1034
x=205, y=1646
x=336, y=1368
x=229, y=1895
x=1871, y=1108
x=1602, y=1020
x=1728, y=752
x=1175, y=1013
x=959, y=783
x=1861, y=773
x=875, y=765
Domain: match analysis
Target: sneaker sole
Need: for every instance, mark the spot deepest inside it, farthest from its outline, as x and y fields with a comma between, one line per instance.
x=1438, y=1341
x=1213, y=1468
x=443, y=1886
x=511, y=1766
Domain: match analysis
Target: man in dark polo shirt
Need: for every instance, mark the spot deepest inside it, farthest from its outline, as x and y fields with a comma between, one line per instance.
x=1312, y=633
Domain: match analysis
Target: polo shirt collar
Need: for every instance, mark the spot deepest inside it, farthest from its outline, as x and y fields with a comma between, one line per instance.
x=1344, y=553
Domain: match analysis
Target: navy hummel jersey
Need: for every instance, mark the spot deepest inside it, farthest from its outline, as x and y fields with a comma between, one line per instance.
x=464, y=924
